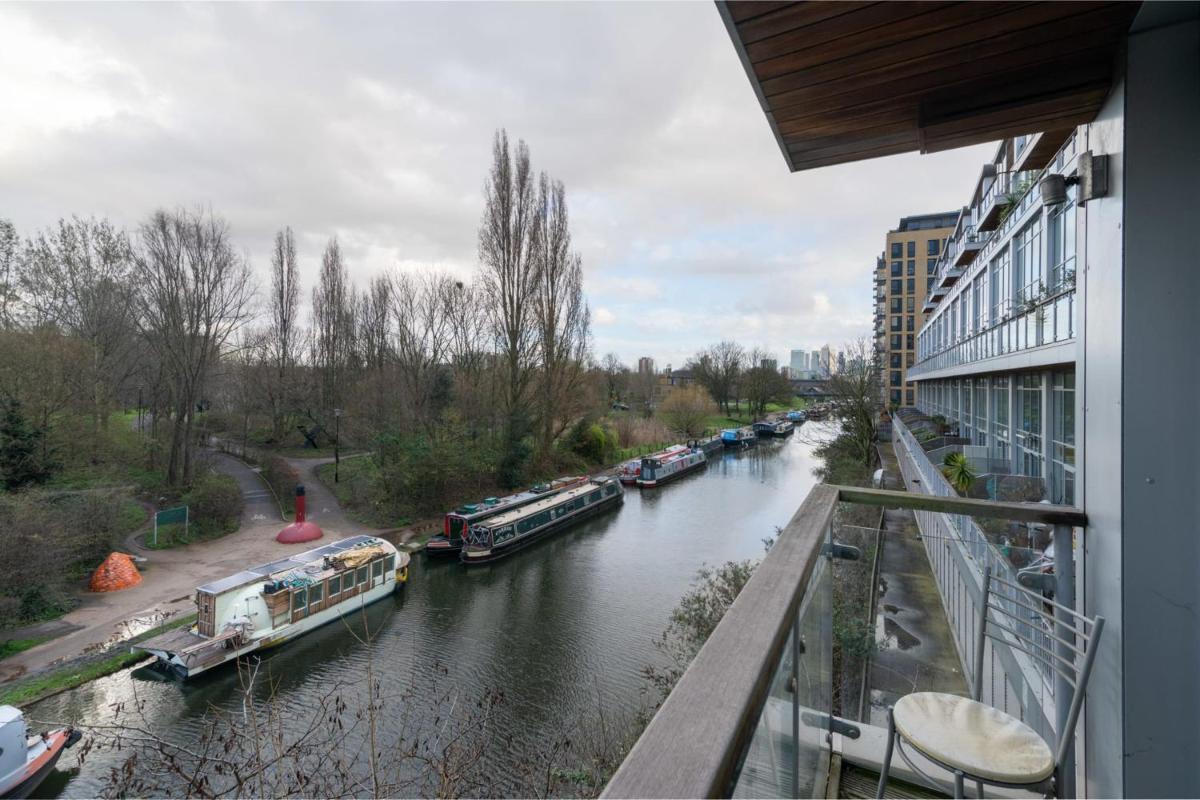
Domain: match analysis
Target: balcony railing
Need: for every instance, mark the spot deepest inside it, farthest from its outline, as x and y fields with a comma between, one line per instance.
x=752, y=715
x=1035, y=324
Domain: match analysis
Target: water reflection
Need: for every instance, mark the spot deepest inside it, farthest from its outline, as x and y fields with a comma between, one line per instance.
x=562, y=627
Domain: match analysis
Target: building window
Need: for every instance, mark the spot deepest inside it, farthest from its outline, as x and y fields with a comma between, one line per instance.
x=897, y=342
x=929, y=283
x=908, y=322
x=897, y=323
x=895, y=361
x=897, y=305
x=898, y=286
x=1029, y=424
x=912, y=285
x=910, y=305
x=911, y=267
x=1060, y=233
x=897, y=249
x=895, y=378
x=998, y=272
x=908, y=397
x=999, y=408
x=894, y=395
x=931, y=265
x=912, y=249
x=932, y=246
x=1027, y=261
x=897, y=269
x=1062, y=437
x=980, y=404
x=910, y=342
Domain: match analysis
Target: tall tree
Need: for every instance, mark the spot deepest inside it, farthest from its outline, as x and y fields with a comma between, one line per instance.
x=10, y=252
x=194, y=292
x=333, y=323
x=761, y=384
x=509, y=280
x=563, y=318
x=718, y=368
x=616, y=377
x=77, y=277
x=855, y=398
x=421, y=341
x=283, y=340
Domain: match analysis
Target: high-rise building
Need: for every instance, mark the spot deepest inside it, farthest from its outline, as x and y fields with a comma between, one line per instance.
x=908, y=264
x=814, y=363
x=798, y=361
x=769, y=363
x=646, y=365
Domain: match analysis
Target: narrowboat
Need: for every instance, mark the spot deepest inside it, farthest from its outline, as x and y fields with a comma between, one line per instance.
x=506, y=533
x=450, y=541
x=657, y=471
x=26, y=760
x=264, y=606
x=738, y=437
x=779, y=427
x=631, y=470
x=795, y=416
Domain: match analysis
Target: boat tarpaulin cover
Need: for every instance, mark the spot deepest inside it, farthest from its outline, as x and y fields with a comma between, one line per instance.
x=358, y=556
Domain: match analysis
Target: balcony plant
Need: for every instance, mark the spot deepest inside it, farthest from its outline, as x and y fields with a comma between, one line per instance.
x=958, y=472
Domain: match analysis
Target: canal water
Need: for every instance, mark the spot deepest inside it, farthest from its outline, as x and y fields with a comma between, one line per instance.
x=562, y=629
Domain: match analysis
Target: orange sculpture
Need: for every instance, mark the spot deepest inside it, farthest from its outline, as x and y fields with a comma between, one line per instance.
x=116, y=573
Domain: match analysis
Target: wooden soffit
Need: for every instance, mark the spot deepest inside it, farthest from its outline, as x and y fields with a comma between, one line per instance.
x=845, y=81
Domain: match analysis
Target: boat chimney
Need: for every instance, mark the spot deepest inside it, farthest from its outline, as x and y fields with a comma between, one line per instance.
x=301, y=530
x=300, y=502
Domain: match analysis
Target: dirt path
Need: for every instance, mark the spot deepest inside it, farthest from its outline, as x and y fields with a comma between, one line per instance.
x=170, y=577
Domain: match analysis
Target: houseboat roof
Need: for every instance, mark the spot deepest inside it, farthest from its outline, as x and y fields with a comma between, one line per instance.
x=542, y=505
x=295, y=561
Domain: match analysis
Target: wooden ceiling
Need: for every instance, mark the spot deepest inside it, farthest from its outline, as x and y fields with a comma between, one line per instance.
x=845, y=81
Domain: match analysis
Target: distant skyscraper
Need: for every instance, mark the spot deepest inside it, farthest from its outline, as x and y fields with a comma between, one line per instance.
x=826, y=363
x=646, y=365
x=799, y=361
x=770, y=363
x=785, y=371
x=814, y=362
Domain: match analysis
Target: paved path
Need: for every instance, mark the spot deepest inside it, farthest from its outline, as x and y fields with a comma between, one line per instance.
x=917, y=651
x=170, y=577
x=323, y=507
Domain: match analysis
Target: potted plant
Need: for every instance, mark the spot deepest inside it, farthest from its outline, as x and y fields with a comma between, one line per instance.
x=958, y=472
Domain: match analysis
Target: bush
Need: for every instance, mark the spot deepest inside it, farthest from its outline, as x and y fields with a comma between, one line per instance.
x=214, y=506
x=590, y=441
x=282, y=478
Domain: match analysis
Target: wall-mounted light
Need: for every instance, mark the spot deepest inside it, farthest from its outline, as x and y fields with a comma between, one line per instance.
x=1091, y=177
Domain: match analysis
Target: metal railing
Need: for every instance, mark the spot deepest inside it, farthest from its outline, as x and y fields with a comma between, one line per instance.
x=752, y=713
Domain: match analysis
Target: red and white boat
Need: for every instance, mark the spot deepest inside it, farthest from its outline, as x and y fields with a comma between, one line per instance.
x=632, y=470
x=25, y=760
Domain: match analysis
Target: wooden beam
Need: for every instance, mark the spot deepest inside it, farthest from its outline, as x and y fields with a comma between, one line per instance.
x=795, y=15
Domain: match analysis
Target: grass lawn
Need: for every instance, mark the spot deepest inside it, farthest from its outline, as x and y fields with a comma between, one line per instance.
x=10, y=647
x=355, y=492
x=24, y=692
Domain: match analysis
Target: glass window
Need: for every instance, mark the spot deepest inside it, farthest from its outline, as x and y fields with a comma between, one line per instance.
x=908, y=397
x=929, y=283
x=389, y=563
x=299, y=599
x=912, y=249
x=912, y=285
x=932, y=246
x=1060, y=235
x=335, y=585
x=910, y=305
x=362, y=575
x=895, y=378
x=897, y=342
x=910, y=342
x=998, y=274
x=897, y=249
x=314, y=594
x=930, y=265
x=999, y=407
x=911, y=267
x=897, y=305
x=1027, y=262
x=1029, y=424
x=897, y=269
x=1062, y=432
x=376, y=569
x=898, y=286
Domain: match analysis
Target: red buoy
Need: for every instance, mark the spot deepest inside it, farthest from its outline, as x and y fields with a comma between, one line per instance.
x=301, y=530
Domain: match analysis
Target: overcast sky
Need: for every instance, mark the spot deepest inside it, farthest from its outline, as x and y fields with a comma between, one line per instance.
x=373, y=123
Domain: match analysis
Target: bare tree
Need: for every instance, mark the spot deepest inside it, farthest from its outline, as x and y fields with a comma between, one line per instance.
x=718, y=368
x=421, y=340
x=284, y=335
x=333, y=323
x=856, y=400
x=761, y=384
x=77, y=278
x=687, y=409
x=616, y=377
x=470, y=357
x=194, y=292
x=509, y=275
x=563, y=318
x=10, y=253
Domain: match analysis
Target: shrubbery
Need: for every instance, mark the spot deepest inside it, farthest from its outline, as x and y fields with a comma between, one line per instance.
x=283, y=479
x=214, y=506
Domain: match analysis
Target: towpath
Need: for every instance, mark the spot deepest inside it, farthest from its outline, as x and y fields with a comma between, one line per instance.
x=170, y=577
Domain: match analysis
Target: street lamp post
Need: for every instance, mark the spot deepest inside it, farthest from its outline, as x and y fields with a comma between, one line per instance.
x=337, y=440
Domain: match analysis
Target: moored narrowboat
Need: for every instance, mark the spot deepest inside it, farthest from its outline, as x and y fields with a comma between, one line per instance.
x=457, y=522
x=777, y=427
x=795, y=416
x=739, y=437
x=264, y=606
x=26, y=760
x=503, y=534
x=631, y=470
x=657, y=471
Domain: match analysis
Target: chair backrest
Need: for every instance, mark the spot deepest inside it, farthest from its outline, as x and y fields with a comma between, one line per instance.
x=1059, y=639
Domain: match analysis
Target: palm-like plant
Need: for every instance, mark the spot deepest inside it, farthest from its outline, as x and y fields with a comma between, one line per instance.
x=958, y=471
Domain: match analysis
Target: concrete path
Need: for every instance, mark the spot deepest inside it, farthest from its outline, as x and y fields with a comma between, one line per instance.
x=170, y=577
x=916, y=646
x=323, y=507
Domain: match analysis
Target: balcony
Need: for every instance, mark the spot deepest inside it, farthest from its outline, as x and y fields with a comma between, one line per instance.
x=948, y=274
x=967, y=247
x=757, y=715
x=994, y=201
x=1033, y=324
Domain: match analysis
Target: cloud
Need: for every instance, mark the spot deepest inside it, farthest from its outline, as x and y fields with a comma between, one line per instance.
x=373, y=122
x=602, y=317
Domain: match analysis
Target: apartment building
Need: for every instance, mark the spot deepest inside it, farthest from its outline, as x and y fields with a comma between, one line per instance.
x=903, y=276
x=1060, y=347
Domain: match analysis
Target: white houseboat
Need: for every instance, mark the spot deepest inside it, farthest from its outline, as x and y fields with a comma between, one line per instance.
x=267, y=605
x=26, y=760
x=657, y=471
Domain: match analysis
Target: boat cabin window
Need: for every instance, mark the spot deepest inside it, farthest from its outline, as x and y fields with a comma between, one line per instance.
x=299, y=599
x=376, y=569
x=389, y=564
x=314, y=595
x=362, y=574
x=594, y=496
x=335, y=585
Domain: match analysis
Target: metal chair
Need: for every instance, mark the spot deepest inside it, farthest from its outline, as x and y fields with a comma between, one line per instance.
x=983, y=744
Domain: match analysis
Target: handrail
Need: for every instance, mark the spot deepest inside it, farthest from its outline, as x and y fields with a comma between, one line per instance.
x=692, y=746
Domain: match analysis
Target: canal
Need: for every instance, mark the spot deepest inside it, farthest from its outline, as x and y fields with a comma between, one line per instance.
x=563, y=630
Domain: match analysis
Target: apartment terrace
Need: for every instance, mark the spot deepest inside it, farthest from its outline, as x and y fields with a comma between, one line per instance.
x=754, y=715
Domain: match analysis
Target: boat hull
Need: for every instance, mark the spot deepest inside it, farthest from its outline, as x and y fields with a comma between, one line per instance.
x=58, y=742
x=651, y=484
x=441, y=547
x=497, y=552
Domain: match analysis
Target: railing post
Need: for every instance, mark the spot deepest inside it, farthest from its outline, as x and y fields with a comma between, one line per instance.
x=1064, y=594
x=797, y=650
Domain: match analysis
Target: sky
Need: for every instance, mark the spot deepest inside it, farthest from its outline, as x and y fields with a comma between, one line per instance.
x=373, y=123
